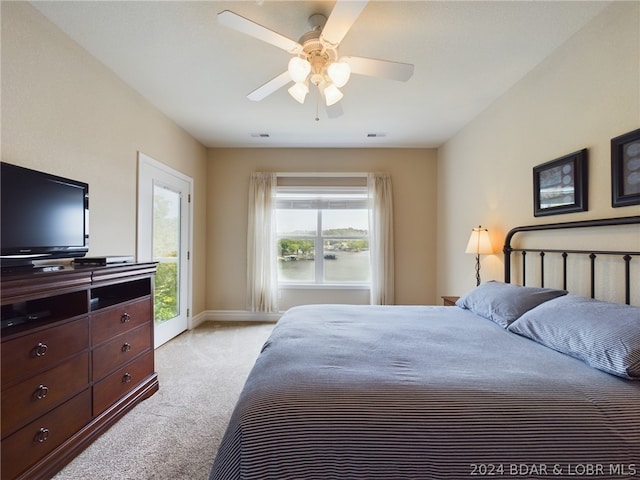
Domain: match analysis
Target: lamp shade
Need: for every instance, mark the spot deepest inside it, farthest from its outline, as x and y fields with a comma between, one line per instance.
x=299, y=68
x=479, y=242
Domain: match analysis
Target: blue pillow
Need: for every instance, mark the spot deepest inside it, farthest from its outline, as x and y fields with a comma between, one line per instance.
x=504, y=303
x=604, y=335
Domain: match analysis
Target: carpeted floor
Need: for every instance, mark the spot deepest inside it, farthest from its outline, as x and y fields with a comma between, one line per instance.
x=175, y=434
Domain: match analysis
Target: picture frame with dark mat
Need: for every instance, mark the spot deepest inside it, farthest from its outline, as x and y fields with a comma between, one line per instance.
x=561, y=185
x=625, y=169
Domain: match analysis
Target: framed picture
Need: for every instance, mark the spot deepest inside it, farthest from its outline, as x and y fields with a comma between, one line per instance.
x=625, y=169
x=560, y=186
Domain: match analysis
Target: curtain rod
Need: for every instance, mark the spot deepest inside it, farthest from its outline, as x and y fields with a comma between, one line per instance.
x=321, y=174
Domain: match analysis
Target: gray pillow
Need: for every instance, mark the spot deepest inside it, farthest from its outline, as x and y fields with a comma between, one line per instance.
x=604, y=335
x=504, y=303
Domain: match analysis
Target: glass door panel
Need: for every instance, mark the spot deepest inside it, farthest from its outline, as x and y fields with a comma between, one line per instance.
x=166, y=251
x=164, y=236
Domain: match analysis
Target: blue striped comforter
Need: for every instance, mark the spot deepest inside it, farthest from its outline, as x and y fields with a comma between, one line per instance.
x=409, y=392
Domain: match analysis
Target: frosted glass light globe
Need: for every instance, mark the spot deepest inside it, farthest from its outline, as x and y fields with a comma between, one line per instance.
x=299, y=91
x=339, y=73
x=299, y=68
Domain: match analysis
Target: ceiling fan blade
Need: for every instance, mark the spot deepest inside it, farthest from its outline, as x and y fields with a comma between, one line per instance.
x=270, y=87
x=342, y=17
x=380, y=68
x=335, y=110
x=244, y=25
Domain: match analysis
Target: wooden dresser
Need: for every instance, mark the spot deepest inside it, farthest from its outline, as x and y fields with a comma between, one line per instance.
x=77, y=354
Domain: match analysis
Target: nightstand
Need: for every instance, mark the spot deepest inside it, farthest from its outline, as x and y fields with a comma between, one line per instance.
x=449, y=301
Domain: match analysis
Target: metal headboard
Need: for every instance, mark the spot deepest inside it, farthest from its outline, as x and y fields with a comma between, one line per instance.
x=592, y=254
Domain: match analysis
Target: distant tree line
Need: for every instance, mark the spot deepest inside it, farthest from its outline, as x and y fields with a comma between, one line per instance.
x=306, y=247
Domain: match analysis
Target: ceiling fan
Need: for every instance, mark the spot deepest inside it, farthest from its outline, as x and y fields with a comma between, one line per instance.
x=315, y=56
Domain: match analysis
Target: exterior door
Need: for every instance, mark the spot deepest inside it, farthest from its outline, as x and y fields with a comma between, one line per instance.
x=164, y=230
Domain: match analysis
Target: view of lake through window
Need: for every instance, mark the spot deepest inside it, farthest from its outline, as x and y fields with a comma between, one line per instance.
x=323, y=239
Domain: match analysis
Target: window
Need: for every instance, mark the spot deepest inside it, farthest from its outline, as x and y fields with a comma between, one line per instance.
x=323, y=235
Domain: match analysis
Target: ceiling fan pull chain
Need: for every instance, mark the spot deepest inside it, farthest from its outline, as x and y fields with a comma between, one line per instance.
x=317, y=107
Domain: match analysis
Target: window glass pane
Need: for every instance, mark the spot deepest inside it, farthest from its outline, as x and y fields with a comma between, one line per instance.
x=346, y=246
x=346, y=260
x=296, y=261
x=298, y=222
x=345, y=222
x=342, y=242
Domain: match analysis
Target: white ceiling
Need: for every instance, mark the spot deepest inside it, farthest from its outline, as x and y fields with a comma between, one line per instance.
x=466, y=54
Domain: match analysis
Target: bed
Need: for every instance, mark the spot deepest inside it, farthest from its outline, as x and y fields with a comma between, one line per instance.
x=516, y=381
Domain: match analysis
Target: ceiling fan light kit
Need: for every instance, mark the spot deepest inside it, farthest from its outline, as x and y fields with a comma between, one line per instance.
x=316, y=55
x=318, y=69
x=317, y=64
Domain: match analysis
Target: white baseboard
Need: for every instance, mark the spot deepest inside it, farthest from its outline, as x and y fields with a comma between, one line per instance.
x=233, y=316
x=197, y=320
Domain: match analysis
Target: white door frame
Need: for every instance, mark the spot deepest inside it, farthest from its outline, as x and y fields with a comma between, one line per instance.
x=147, y=167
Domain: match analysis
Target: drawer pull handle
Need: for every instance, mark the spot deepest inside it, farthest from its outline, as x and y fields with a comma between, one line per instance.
x=42, y=435
x=125, y=318
x=41, y=349
x=126, y=378
x=41, y=392
x=126, y=347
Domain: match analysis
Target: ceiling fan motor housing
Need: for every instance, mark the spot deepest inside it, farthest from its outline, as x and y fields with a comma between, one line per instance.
x=317, y=53
x=317, y=21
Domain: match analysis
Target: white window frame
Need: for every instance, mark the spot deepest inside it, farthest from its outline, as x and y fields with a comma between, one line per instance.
x=318, y=198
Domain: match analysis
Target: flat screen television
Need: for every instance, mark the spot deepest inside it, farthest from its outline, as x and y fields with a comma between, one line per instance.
x=42, y=217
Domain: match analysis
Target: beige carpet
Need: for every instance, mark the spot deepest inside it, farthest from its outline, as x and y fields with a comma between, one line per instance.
x=175, y=434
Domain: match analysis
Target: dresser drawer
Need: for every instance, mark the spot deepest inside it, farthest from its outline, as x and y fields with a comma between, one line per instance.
x=37, y=439
x=33, y=397
x=25, y=356
x=115, y=320
x=107, y=391
x=122, y=349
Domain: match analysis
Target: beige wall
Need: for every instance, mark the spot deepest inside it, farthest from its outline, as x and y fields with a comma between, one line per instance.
x=581, y=96
x=413, y=175
x=65, y=113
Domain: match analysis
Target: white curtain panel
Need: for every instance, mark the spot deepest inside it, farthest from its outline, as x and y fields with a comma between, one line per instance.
x=381, y=238
x=262, y=280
